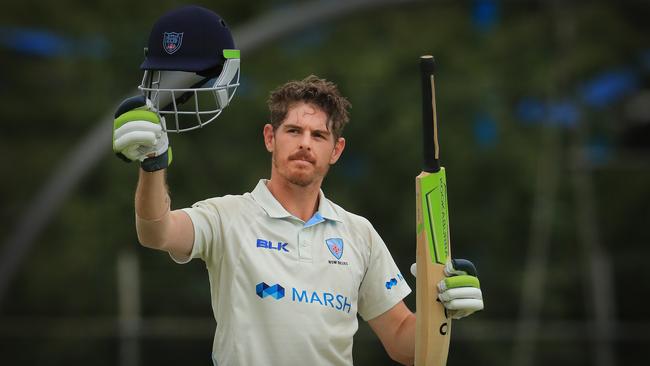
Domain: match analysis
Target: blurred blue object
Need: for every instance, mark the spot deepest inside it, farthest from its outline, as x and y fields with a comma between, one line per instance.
x=609, y=87
x=44, y=43
x=485, y=14
x=598, y=151
x=530, y=111
x=353, y=166
x=246, y=85
x=563, y=113
x=310, y=39
x=34, y=42
x=485, y=130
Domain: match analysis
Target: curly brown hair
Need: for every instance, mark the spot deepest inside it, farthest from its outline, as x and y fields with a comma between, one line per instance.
x=313, y=90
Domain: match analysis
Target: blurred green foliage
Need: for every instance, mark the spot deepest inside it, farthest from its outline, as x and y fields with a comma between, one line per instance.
x=537, y=49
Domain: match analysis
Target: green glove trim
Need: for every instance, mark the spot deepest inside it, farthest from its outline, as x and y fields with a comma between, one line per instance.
x=135, y=115
x=462, y=281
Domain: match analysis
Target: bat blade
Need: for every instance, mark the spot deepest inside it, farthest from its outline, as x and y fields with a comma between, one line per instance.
x=433, y=325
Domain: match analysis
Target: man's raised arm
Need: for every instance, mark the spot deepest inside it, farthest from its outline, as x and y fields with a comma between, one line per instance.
x=139, y=136
x=157, y=226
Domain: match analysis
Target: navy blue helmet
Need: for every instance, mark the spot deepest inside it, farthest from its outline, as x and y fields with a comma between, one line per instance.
x=191, y=67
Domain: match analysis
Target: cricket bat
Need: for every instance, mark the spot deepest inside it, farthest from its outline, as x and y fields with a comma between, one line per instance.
x=433, y=326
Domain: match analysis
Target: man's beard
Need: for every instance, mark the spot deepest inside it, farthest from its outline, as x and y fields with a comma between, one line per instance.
x=300, y=178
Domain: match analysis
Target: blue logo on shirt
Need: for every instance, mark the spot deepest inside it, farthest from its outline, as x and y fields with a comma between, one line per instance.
x=335, y=245
x=338, y=302
x=393, y=281
x=279, y=246
x=323, y=298
x=263, y=290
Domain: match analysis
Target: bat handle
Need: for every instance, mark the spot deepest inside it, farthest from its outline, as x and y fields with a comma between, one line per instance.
x=430, y=148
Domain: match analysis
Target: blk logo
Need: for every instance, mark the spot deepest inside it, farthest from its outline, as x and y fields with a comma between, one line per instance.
x=263, y=290
x=279, y=246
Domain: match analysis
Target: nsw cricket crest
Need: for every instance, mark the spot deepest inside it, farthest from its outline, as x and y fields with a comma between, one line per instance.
x=335, y=245
x=172, y=41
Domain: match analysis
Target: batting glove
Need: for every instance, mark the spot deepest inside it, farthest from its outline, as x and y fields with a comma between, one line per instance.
x=139, y=135
x=460, y=291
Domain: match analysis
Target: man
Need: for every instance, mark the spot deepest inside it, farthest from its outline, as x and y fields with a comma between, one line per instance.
x=289, y=270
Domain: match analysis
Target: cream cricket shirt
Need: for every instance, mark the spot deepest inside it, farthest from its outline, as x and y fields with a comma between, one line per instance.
x=287, y=292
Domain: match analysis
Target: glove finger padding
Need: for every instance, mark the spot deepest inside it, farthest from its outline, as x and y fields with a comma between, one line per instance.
x=463, y=307
x=467, y=305
x=452, y=294
x=460, y=292
x=458, y=281
x=138, y=134
x=137, y=152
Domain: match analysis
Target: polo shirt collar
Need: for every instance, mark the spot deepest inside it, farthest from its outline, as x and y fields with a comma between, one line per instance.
x=274, y=209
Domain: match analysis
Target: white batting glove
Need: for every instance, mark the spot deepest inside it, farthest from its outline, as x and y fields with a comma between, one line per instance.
x=460, y=292
x=139, y=134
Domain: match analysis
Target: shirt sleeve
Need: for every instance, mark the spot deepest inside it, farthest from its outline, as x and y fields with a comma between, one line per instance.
x=383, y=286
x=208, y=226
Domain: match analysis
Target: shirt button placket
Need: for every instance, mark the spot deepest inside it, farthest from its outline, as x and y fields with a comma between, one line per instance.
x=304, y=244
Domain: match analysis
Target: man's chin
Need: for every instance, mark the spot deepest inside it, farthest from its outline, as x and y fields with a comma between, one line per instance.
x=301, y=180
x=302, y=176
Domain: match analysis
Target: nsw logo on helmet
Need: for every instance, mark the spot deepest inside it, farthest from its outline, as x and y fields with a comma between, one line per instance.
x=172, y=41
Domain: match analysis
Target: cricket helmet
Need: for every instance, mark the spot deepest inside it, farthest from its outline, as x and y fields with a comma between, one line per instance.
x=191, y=68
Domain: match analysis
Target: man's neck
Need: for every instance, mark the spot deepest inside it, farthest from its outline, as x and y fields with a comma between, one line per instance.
x=301, y=202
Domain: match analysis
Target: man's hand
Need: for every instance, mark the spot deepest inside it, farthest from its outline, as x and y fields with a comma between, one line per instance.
x=139, y=135
x=460, y=292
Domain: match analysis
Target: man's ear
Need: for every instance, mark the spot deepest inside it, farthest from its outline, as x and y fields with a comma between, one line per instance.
x=338, y=150
x=269, y=135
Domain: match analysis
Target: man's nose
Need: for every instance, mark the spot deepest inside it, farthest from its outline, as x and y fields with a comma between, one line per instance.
x=305, y=141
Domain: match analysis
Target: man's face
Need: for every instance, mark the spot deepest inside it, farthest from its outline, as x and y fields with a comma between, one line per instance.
x=302, y=147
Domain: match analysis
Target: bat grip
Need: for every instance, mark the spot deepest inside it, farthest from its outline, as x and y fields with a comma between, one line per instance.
x=431, y=163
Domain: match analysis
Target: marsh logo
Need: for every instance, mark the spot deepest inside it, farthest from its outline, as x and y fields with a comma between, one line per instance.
x=308, y=297
x=263, y=290
x=172, y=41
x=394, y=281
x=327, y=299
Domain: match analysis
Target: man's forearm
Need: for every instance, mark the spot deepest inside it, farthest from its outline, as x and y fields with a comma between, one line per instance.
x=405, y=340
x=152, y=206
x=151, y=196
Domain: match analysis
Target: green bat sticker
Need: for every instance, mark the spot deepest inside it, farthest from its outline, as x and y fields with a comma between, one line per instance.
x=436, y=215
